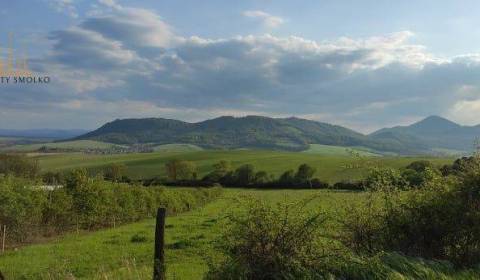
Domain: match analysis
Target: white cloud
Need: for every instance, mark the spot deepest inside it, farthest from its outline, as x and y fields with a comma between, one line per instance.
x=110, y=4
x=267, y=19
x=64, y=6
x=130, y=62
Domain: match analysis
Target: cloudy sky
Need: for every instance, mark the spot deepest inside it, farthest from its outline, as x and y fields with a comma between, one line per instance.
x=361, y=64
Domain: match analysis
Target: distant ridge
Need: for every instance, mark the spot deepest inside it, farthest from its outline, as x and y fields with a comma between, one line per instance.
x=432, y=133
x=427, y=136
x=42, y=133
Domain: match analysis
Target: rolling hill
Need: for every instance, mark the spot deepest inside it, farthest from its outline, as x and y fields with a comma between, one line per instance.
x=431, y=134
x=292, y=134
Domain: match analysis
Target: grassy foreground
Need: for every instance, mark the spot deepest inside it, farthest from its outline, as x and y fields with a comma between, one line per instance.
x=126, y=252
x=331, y=168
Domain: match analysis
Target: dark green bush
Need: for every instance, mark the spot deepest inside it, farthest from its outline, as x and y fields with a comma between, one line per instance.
x=441, y=220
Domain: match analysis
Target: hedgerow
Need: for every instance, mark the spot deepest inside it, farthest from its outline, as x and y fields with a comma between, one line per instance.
x=30, y=210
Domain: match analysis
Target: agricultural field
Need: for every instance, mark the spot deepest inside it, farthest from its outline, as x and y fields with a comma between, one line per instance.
x=320, y=149
x=77, y=145
x=11, y=143
x=331, y=168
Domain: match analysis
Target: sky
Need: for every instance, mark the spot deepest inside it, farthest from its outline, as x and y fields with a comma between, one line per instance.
x=361, y=64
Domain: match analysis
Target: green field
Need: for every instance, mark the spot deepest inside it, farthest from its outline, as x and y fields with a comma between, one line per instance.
x=78, y=144
x=110, y=254
x=319, y=149
x=191, y=240
x=177, y=148
x=331, y=168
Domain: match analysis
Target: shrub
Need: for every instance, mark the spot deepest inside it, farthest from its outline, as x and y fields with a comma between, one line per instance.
x=19, y=166
x=349, y=185
x=87, y=203
x=270, y=242
x=438, y=221
x=381, y=178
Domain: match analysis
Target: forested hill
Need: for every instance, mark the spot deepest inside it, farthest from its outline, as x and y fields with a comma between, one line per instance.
x=285, y=134
x=434, y=132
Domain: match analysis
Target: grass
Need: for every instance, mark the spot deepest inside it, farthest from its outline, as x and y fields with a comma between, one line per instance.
x=177, y=148
x=338, y=150
x=77, y=144
x=331, y=168
x=126, y=252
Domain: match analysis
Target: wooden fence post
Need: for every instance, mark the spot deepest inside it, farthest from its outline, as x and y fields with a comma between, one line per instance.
x=159, y=257
x=3, y=238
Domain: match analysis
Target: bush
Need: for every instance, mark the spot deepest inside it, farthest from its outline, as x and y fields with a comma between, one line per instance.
x=270, y=242
x=349, y=185
x=19, y=166
x=87, y=203
x=381, y=178
x=438, y=221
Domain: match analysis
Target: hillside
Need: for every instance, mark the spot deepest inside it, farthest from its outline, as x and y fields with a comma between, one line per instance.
x=433, y=133
x=231, y=133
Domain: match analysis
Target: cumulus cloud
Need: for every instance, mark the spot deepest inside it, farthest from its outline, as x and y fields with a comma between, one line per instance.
x=267, y=19
x=130, y=63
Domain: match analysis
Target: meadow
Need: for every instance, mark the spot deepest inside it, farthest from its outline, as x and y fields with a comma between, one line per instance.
x=126, y=252
x=78, y=144
x=331, y=167
x=192, y=240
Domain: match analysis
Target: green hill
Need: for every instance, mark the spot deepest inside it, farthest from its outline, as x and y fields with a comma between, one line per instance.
x=434, y=134
x=292, y=134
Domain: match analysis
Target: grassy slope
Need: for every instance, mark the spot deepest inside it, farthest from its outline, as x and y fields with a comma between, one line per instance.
x=337, y=150
x=78, y=144
x=177, y=148
x=109, y=254
x=329, y=167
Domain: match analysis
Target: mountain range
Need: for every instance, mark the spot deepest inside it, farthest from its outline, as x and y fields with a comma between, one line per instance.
x=432, y=135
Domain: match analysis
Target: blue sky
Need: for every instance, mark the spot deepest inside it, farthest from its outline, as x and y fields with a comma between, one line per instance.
x=362, y=64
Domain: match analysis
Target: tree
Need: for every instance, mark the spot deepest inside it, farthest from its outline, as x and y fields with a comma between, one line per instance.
x=181, y=170
x=287, y=178
x=304, y=173
x=385, y=179
x=420, y=165
x=261, y=177
x=245, y=175
x=220, y=170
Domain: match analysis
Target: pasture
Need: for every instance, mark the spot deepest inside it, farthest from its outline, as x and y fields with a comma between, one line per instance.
x=331, y=168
